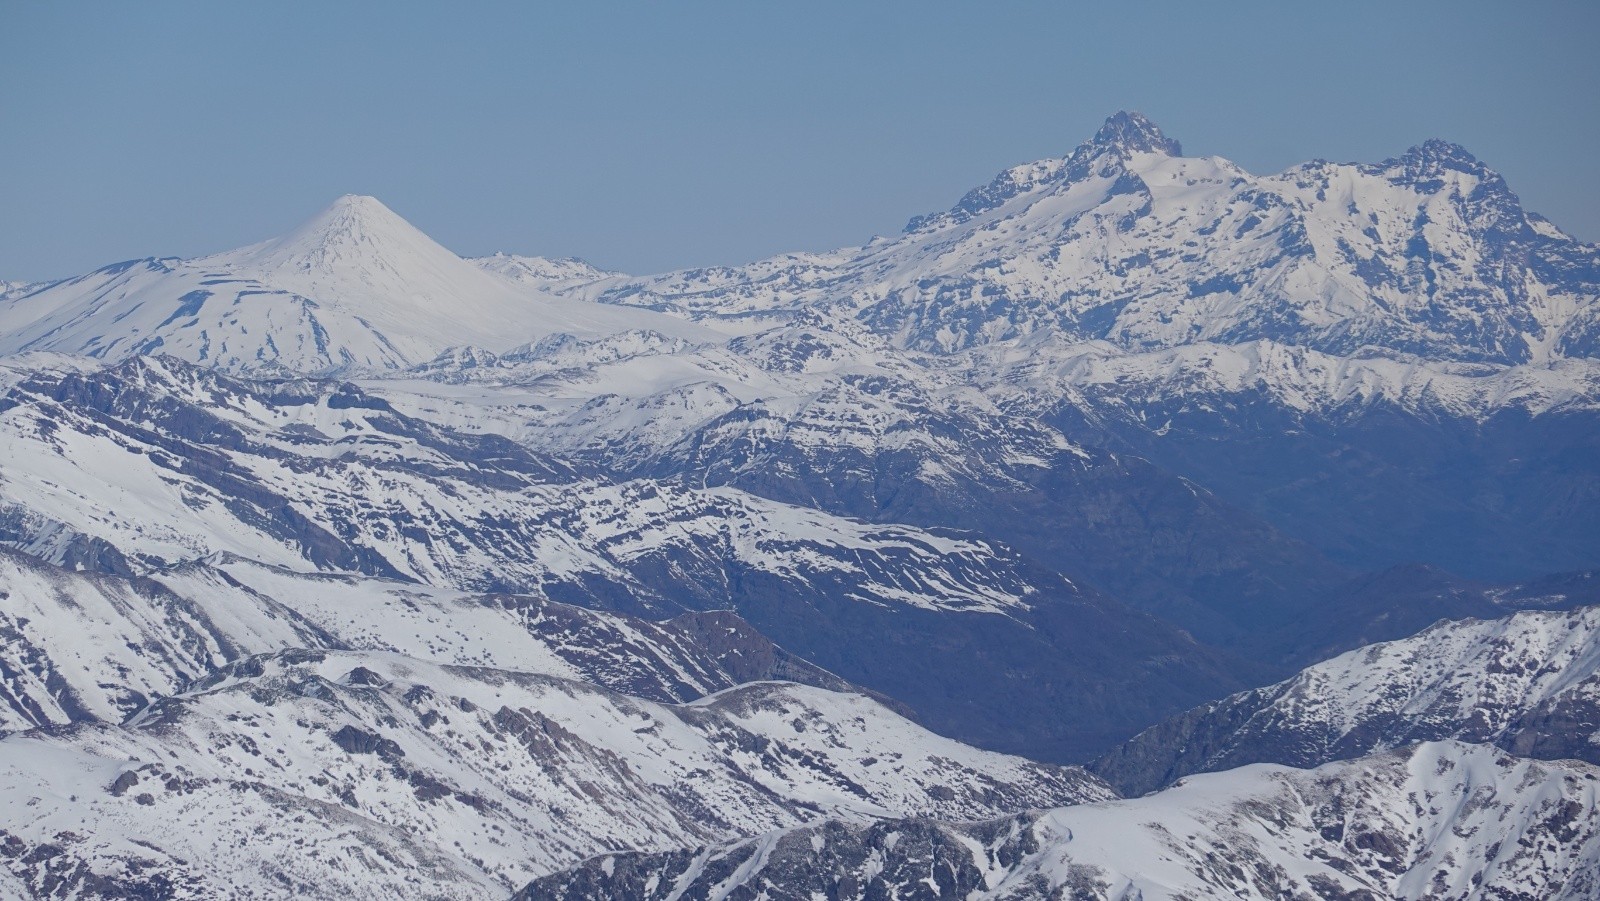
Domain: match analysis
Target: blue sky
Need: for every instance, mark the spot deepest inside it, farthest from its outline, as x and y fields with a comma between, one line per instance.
x=648, y=136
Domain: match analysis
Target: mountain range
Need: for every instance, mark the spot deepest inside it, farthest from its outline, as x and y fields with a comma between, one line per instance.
x=1434, y=821
x=343, y=566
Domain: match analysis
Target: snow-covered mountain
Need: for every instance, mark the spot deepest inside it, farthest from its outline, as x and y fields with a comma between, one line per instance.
x=808, y=400
x=1528, y=683
x=1436, y=821
x=203, y=727
x=822, y=413
x=339, y=565
x=154, y=463
x=1354, y=310
x=354, y=288
x=1129, y=241
x=1124, y=240
x=1350, y=352
x=567, y=275
x=1154, y=303
x=320, y=774
x=318, y=476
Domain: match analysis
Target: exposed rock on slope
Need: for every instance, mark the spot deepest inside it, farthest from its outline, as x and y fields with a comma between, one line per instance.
x=363, y=775
x=1438, y=821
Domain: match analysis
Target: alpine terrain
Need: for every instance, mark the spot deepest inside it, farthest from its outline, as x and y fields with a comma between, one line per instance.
x=1139, y=527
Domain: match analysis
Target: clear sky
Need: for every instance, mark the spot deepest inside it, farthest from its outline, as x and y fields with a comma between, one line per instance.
x=649, y=136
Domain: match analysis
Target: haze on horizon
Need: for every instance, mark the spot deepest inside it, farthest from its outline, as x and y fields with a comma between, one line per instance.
x=651, y=137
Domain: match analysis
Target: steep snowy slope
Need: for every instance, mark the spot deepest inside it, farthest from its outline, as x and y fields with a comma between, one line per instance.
x=356, y=287
x=84, y=646
x=1438, y=821
x=169, y=463
x=1529, y=683
x=1110, y=381
x=344, y=775
x=680, y=659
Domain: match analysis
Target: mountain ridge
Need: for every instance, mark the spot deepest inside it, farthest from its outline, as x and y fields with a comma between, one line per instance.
x=1333, y=256
x=1528, y=683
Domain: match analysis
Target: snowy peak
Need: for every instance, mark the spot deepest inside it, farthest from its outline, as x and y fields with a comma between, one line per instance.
x=1128, y=132
x=353, y=229
x=1433, y=157
x=359, y=249
x=1436, y=167
x=355, y=288
x=1121, y=137
x=1429, y=254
